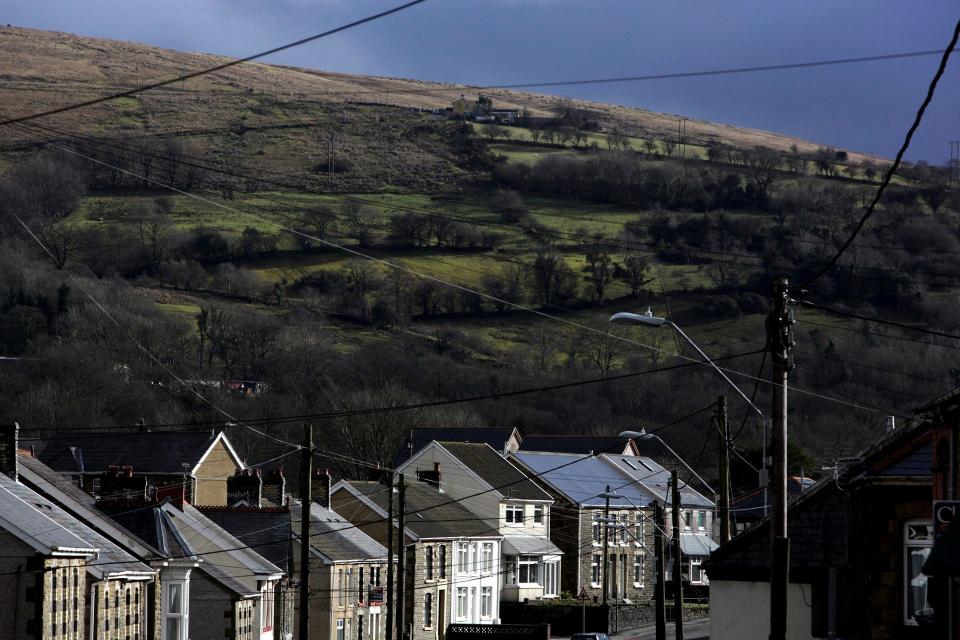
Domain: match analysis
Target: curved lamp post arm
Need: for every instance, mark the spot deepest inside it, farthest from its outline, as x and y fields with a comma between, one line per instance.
x=714, y=365
x=688, y=467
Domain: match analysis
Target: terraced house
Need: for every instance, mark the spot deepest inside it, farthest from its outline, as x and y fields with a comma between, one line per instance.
x=348, y=571
x=59, y=578
x=509, y=503
x=453, y=573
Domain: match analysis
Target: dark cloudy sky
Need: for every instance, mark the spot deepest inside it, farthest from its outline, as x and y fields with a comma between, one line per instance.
x=867, y=107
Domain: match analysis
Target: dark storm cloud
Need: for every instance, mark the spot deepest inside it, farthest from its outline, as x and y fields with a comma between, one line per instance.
x=865, y=107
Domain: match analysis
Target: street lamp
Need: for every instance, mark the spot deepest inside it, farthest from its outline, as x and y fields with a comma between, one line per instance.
x=649, y=320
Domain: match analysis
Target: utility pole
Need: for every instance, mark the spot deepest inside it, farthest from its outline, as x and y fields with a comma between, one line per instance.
x=606, y=544
x=306, y=478
x=390, y=557
x=955, y=161
x=677, y=568
x=401, y=559
x=779, y=344
x=724, y=469
x=660, y=593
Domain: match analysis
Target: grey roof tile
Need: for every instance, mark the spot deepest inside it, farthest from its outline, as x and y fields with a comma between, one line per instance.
x=496, y=470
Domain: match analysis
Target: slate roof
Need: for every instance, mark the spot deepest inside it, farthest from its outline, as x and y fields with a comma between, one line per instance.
x=436, y=516
x=334, y=538
x=27, y=516
x=656, y=480
x=80, y=504
x=496, y=437
x=225, y=558
x=817, y=522
x=574, y=443
x=147, y=451
x=749, y=507
x=582, y=479
x=111, y=559
x=496, y=471
x=267, y=530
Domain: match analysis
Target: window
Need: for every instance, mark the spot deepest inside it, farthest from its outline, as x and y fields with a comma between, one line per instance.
x=487, y=566
x=538, y=514
x=340, y=588
x=623, y=528
x=595, y=571
x=596, y=528
x=638, y=530
x=340, y=629
x=701, y=520
x=267, y=621
x=472, y=603
x=374, y=626
x=514, y=514
x=622, y=583
x=510, y=570
x=463, y=557
x=175, y=619
x=360, y=588
x=696, y=575
x=687, y=519
x=486, y=602
x=474, y=557
x=461, y=602
x=612, y=581
x=443, y=562
x=360, y=627
x=351, y=593
x=551, y=579
x=917, y=543
x=429, y=558
x=428, y=610
x=528, y=570
x=638, y=570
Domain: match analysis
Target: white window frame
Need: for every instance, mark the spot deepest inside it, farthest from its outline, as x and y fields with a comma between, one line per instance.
x=527, y=562
x=463, y=557
x=701, y=520
x=510, y=515
x=486, y=602
x=474, y=558
x=551, y=579
x=623, y=525
x=183, y=616
x=926, y=543
x=428, y=556
x=538, y=515
x=341, y=633
x=487, y=559
x=638, y=531
x=461, y=603
x=595, y=529
x=638, y=559
x=595, y=563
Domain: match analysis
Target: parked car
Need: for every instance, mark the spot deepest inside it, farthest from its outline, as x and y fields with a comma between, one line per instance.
x=590, y=636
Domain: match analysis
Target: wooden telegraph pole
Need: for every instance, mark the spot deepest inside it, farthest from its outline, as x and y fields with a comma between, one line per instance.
x=399, y=614
x=779, y=344
x=306, y=499
x=660, y=593
x=724, y=469
x=677, y=566
x=606, y=545
x=390, y=557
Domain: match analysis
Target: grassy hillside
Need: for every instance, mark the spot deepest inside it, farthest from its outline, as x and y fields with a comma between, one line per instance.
x=217, y=284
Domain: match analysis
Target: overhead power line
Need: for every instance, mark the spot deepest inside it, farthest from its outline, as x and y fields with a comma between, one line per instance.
x=892, y=323
x=215, y=68
x=892, y=169
x=717, y=72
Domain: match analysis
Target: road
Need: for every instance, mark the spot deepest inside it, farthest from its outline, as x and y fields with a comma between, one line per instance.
x=692, y=630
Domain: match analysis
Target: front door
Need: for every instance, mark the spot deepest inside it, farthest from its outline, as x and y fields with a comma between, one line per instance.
x=442, y=615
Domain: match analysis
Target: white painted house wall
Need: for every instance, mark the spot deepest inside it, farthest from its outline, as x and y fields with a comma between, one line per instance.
x=741, y=611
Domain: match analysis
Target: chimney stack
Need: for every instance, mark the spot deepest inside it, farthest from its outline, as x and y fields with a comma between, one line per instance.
x=245, y=486
x=275, y=488
x=119, y=483
x=320, y=487
x=9, y=444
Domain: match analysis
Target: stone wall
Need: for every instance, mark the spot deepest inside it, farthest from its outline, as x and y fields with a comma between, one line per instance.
x=418, y=585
